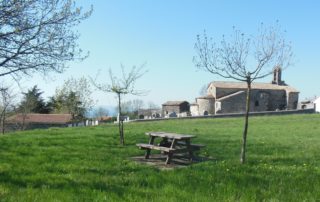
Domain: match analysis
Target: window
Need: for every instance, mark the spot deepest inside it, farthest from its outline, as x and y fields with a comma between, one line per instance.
x=256, y=103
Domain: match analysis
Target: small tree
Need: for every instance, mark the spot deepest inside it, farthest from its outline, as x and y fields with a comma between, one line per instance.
x=234, y=60
x=121, y=86
x=73, y=97
x=6, y=105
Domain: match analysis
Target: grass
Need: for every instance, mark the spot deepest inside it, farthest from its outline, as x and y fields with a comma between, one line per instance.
x=87, y=164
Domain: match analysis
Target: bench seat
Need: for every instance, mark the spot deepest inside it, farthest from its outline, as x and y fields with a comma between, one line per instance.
x=150, y=146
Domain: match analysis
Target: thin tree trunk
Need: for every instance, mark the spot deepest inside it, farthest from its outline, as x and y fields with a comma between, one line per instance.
x=246, y=124
x=120, y=122
x=3, y=121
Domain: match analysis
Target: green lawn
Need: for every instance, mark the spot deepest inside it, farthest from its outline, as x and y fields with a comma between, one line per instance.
x=83, y=164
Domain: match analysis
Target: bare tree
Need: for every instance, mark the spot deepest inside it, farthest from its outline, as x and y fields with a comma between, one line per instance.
x=203, y=90
x=244, y=59
x=38, y=36
x=121, y=86
x=101, y=112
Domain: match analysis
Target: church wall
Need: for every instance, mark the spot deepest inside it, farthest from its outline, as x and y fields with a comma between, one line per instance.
x=293, y=98
x=235, y=104
x=268, y=100
x=261, y=100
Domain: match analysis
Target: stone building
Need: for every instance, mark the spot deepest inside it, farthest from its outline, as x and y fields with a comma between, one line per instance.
x=175, y=109
x=149, y=113
x=203, y=106
x=230, y=97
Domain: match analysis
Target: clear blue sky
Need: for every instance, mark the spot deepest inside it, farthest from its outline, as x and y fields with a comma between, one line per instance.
x=162, y=35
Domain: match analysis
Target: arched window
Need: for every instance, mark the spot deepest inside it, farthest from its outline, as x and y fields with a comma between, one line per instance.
x=256, y=103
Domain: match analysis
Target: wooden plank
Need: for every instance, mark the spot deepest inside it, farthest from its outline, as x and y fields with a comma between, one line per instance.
x=150, y=146
x=170, y=135
x=192, y=145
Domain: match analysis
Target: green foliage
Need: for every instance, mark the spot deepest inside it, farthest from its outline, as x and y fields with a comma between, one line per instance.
x=32, y=102
x=74, y=97
x=87, y=164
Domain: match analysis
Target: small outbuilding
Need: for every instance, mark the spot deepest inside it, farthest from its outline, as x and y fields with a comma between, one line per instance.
x=316, y=103
x=175, y=109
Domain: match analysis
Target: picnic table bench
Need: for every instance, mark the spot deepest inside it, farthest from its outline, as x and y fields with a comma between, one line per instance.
x=170, y=144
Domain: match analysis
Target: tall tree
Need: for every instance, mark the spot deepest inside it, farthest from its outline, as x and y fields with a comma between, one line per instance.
x=38, y=36
x=32, y=102
x=245, y=59
x=121, y=86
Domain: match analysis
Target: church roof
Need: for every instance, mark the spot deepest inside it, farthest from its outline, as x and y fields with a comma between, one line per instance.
x=243, y=85
x=231, y=95
x=206, y=97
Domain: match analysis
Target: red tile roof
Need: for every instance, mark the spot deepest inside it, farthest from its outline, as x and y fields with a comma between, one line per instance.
x=42, y=118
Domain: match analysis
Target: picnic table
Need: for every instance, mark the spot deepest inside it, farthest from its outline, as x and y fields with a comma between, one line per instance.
x=170, y=144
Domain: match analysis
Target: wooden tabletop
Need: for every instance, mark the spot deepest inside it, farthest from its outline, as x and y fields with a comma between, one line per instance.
x=170, y=135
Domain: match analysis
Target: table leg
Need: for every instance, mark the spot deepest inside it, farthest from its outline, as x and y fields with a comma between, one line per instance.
x=189, y=148
x=151, y=140
x=170, y=154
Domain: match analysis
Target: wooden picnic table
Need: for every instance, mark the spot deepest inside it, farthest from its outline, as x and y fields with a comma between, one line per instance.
x=170, y=144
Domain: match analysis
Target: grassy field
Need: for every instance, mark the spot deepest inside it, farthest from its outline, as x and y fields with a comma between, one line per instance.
x=83, y=164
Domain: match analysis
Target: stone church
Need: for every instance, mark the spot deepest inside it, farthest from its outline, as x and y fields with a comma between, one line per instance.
x=230, y=97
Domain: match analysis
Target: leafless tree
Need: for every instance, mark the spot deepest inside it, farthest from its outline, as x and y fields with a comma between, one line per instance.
x=101, y=112
x=121, y=86
x=244, y=59
x=203, y=90
x=38, y=36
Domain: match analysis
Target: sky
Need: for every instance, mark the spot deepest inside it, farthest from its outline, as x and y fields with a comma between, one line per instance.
x=162, y=34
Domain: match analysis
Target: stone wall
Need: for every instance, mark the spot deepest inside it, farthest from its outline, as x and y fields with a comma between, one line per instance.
x=269, y=113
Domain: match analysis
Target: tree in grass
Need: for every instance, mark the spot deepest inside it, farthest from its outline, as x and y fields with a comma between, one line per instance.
x=121, y=86
x=38, y=36
x=244, y=59
x=7, y=99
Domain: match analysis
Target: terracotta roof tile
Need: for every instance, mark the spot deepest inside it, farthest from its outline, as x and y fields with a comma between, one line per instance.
x=42, y=118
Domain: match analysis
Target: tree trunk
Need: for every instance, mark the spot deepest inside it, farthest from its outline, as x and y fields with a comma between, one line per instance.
x=3, y=121
x=246, y=123
x=120, y=121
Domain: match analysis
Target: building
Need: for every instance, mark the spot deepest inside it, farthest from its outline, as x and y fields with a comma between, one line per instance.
x=33, y=121
x=317, y=104
x=203, y=106
x=230, y=97
x=149, y=113
x=175, y=109
x=313, y=103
